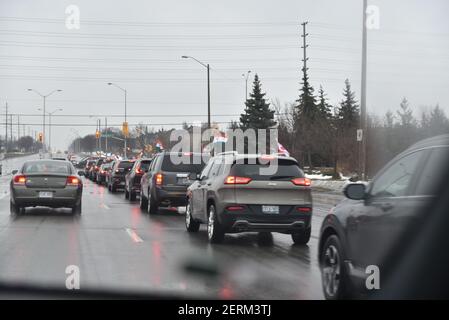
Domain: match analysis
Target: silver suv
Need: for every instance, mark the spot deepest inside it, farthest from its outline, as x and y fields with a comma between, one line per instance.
x=234, y=194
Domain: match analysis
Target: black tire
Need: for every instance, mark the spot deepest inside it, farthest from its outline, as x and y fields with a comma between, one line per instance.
x=113, y=189
x=334, y=277
x=302, y=238
x=143, y=202
x=265, y=238
x=215, y=232
x=132, y=196
x=191, y=224
x=126, y=193
x=14, y=209
x=77, y=209
x=152, y=205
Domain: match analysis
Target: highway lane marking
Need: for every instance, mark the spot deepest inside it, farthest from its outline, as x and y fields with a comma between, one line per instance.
x=4, y=195
x=104, y=206
x=134, y=236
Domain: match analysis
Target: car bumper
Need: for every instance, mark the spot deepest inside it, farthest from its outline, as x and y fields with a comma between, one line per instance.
x=174, y=197
x=61, y=198
x=287, y=221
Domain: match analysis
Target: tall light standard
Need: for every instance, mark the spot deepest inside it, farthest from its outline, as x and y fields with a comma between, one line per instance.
x=246, y=76
x=44, y=97
x=49, y=124
x=208, y=85
x=125, y=123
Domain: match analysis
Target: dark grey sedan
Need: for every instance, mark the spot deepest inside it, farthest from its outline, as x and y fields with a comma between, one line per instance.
x=47, y=183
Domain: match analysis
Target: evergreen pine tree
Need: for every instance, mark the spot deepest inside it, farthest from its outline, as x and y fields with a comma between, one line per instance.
x=306, y=108
x=349, y=110
x=258, y=114
x=324, y=108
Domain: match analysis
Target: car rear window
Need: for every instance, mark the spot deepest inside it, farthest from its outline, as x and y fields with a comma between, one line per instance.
x=125, y=164
x=144, y=165
x=47, y=167
x=192, y=166
x=285, y=170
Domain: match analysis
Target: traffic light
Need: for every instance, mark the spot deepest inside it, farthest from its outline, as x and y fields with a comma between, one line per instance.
x=40, y=137
x=125, y=129
x=97, y=134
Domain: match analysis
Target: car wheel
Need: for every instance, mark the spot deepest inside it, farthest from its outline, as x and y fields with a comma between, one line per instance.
x=152, y=205
x=132, y=196
x=191, y=224
x=265, y=238
x=143, y=202
x=333, y=273
x=126, y=193
x=14, y=209
x=113, y=188
x=77, y=208
x=301, y=237
x=215, y=231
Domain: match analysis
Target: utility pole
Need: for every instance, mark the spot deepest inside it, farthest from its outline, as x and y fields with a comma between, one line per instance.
x=99, y=138
x=208, y=96
x=362, y=144
x=10, y=127
x=6, y=128
x=304, y=47
x=106, y=135
x=18, y=127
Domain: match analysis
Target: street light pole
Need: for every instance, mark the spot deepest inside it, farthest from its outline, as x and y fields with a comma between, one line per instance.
x=49, y=124
x=43, y=111
x=126, y=93
x=246, y=76
x=208, y=85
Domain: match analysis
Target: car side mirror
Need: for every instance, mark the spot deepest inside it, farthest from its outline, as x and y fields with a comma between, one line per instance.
x=355, y=191
x=194, y=176
x=14, y=171
x=81, y=173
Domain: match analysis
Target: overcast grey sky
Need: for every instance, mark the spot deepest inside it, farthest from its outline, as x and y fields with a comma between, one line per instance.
x=138, y=45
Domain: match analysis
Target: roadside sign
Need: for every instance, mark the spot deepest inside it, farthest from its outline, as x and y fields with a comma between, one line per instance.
x=359, y=134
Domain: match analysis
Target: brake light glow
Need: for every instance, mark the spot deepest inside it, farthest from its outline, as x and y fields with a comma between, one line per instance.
x=73, y=181
x=235, y=208
x=138, y=170
x=237, y=180
x=305, y=182
x=20, y=180
x=159, y=179
x=304, y=209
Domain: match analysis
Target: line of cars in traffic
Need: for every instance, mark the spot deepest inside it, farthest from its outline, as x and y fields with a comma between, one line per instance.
x=363, y=231
x=228, y=193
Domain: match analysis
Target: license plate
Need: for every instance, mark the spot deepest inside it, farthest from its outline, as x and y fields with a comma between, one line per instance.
x=183, y=181
x=45, y=194
x=270, y=209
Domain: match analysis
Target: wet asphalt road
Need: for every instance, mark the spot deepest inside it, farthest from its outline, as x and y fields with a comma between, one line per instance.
x=116, y=246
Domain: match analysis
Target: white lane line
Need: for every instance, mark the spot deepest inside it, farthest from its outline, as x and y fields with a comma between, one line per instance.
x=104, y=206
x=134, y=236
x=4, y=195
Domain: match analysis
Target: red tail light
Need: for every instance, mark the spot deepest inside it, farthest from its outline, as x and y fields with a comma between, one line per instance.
x=159, y=179
x=235, y=208
x=73, y=181
x=19, y=180
x=139, y=171
x=305, y=182
x=304, y=209
x=237, y=180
